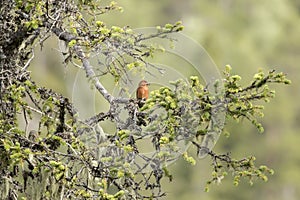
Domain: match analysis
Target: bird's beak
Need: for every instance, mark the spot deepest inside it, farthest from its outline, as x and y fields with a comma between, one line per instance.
x=148, y=84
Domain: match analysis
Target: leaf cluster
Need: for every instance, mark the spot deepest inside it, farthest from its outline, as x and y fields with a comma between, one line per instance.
x=186, y=112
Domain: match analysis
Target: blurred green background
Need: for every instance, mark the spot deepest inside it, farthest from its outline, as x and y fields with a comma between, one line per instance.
x=249, y=35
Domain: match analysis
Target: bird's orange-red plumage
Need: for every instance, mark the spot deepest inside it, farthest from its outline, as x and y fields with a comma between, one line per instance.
x=142, y=91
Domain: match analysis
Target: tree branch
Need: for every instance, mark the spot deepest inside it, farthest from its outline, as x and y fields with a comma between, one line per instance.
x=67, y=37
x=91, y=74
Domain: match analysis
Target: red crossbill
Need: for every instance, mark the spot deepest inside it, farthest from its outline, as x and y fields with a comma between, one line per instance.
x=142, y=92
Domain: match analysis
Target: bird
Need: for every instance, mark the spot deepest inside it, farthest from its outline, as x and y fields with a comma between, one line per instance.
x=142, y=93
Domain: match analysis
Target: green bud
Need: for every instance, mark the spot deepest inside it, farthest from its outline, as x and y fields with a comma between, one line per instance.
x=228, y=68
x=72, y=43
x=236, y=78
x=169, y=26
x=164, y=140
x=206, y=189
x=235, y=183
x=99, y=23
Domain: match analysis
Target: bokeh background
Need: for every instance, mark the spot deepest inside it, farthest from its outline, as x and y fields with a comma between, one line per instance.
x=249, y=35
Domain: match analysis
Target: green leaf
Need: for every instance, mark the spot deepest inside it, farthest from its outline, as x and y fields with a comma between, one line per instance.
x=72, y=43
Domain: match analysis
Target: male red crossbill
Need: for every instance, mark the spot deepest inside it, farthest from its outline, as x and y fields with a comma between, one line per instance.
x=142, y=92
